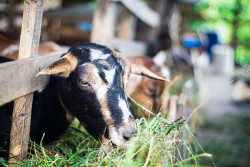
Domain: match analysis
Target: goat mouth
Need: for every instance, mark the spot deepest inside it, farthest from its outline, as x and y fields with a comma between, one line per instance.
x=114, y=145
x=110, y=144
x=122, y=146
x=125, y=142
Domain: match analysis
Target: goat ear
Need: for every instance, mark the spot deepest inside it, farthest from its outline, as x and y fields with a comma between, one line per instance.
x=137, y=68
x=62, y=67
x=132, y=66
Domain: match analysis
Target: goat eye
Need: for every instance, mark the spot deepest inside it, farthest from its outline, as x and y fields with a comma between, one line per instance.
x=83, y=83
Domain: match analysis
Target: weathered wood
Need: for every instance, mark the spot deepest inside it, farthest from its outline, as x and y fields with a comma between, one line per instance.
x=158, y=6
x=17, y=78
x=172, y=109
x=165, y=103
x=31, y=28
x=127, y=47
x=104, y=21
x=182, y=111
x=11, y=15
x=30, y=36
x=126, y=25
x=181, y=108
x=21, y=124
x=142, y=12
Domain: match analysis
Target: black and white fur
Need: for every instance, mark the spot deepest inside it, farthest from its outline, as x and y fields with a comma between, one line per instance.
x=87, y=82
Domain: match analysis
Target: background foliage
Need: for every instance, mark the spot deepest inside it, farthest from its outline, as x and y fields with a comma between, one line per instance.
x=230, y=19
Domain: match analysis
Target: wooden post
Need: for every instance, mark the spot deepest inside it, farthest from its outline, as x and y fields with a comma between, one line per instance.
x=126, y=25
x=11, y=14
x=182, y=111
x=158, y=6
x=104, y=21
x=30, y=36
x=23, y=72
x=171, y=117
x=165, y=103
x=181, y=108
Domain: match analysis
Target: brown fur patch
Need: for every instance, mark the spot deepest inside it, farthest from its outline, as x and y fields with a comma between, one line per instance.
x=69, y=116
x=148, y=92
x=91, y=76
x=106, y=116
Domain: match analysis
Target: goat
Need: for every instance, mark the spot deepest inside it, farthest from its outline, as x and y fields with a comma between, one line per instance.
x=145, y=91
x=176, y=58
x=89, y=83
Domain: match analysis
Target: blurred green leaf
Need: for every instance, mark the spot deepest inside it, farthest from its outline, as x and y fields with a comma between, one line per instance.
x=226, y=18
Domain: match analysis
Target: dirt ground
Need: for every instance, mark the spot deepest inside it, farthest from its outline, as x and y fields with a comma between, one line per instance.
x=225, y=126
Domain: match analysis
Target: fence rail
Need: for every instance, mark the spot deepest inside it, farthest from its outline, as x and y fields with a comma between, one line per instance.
x=18, y=77
x=18, y=81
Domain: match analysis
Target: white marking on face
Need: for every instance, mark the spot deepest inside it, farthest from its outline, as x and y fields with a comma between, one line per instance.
x=41, y=90
x=110, y=74
x=125, y=110
x=102, y=92
x=97, y=54
x=115, y=137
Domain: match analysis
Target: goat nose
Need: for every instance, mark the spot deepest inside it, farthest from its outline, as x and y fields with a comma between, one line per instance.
x=128, y=134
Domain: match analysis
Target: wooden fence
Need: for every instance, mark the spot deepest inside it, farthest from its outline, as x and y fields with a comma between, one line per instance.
x=18, y=81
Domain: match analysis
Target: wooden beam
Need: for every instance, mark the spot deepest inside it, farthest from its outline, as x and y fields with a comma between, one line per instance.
x=142, y=12
x=182, y=112
x=18, y=77
x=126, y=25
x=30, y=37
x=181, y=108
x=20, y=128
x=171, y=117
x=104, y=21
x=11, y=15
x=165, y=103
x=127, y=47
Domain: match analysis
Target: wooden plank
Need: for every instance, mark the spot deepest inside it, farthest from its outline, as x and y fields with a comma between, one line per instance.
x=17, y=78
x=165, y=103
x=182, y=112
x=171, y=117
x=30, y=37
x=181, y=108
x=31, y=28
x=127, y=47
x=20, y=124
x=126, y=25
x=11, y=15
x=104, y=21
x=142, y=12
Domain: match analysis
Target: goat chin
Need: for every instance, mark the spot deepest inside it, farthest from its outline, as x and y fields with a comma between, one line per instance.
x=107, y=146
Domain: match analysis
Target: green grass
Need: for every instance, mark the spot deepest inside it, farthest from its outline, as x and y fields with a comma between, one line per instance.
x=156, y=144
